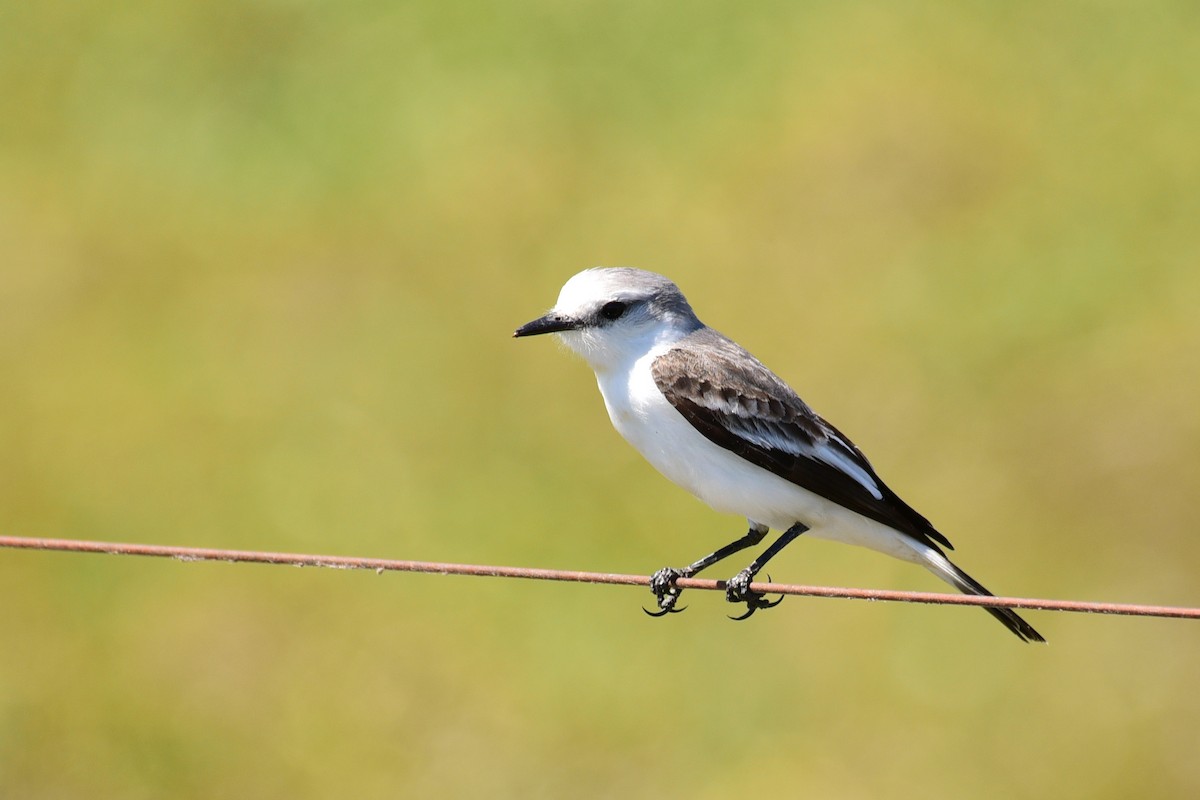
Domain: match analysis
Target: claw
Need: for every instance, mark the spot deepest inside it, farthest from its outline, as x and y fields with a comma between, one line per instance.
x=754, y=604
x=662, y=586
x=753, y=600
x=777, y=602
x=663, y=612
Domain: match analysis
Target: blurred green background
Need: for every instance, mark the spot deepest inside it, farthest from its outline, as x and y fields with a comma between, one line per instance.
x=259, y=267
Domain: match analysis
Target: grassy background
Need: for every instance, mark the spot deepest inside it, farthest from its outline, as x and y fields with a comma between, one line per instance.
x=259, y=262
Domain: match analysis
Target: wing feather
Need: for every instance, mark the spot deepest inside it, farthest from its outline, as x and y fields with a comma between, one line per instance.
x=739, y=404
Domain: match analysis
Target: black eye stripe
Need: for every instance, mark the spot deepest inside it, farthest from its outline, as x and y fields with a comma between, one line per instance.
x=613, y=309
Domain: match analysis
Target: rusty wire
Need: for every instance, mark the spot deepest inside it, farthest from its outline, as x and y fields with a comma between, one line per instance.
x=438, y=568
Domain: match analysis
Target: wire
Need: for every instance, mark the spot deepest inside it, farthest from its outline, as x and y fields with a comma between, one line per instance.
x=381, y=565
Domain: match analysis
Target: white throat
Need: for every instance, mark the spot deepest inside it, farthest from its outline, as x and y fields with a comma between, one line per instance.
x=615, y=351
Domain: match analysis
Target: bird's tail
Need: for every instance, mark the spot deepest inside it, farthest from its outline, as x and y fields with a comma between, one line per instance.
x=941, y=566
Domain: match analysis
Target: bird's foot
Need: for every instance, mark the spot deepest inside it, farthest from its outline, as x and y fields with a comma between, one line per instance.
x=737, y=590
x=662, y=586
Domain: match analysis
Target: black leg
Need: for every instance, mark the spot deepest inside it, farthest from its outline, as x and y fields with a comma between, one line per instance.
x=737, y=588
x=662, y=583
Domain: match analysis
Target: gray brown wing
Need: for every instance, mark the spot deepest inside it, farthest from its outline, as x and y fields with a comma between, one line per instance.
x=739, y=404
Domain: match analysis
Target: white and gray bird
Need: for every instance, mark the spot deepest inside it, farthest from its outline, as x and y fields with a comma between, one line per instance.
x=710, y=417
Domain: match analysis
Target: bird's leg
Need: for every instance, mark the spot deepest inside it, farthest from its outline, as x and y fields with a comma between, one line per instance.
x=737, y=588
x=662, y=583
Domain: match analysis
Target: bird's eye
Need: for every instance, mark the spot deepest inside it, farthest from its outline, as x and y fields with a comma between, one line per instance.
x=613, y=310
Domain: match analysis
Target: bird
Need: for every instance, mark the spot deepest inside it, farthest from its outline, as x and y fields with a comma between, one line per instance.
x=714, y=420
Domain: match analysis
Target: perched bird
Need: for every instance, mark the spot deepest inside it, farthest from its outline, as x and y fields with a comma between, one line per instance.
x=710, y=417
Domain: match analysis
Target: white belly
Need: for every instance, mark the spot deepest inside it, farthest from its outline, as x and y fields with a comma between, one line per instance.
x=725, y=481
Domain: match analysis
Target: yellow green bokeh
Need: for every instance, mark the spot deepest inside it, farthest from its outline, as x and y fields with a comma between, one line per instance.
x=259, y=267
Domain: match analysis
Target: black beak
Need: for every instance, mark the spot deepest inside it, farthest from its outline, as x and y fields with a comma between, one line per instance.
x=551, y=323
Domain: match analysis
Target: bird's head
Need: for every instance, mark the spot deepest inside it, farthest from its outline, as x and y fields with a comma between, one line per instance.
x=611, y=314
